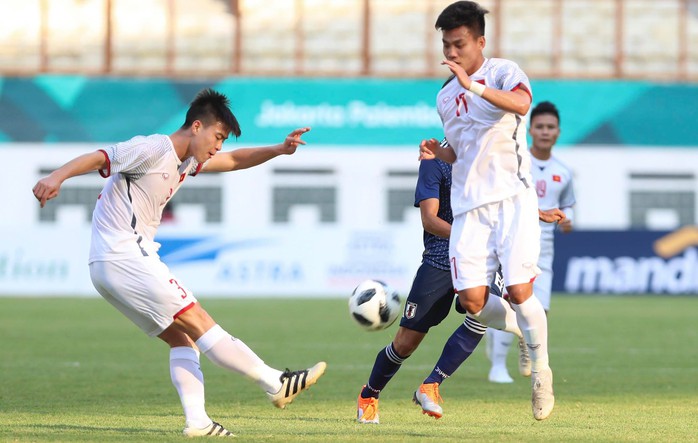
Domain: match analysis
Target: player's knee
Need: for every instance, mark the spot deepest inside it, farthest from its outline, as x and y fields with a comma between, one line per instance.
x=472, y=304
x=406, y=341
x=520, y=293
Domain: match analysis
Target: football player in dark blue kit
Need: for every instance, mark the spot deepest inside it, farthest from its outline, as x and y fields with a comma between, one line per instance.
x=428, y=303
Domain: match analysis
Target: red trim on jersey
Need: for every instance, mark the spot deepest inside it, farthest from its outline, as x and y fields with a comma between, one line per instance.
x=198, y=169
x=525, y=89
x=482, y=81
x=557, y=178
x=183, y=310
x=108, y=170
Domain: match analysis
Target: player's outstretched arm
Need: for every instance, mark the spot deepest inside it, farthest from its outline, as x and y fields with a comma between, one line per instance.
x=518, y=101
x=49, y=186
x=431, y=149
x=244, y=158
x=554, y=215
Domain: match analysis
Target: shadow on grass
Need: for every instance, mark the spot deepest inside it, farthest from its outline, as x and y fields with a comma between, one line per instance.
x=87, y=428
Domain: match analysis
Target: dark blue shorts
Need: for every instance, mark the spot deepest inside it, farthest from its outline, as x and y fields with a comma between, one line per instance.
x=432, y=295
x=429, y=300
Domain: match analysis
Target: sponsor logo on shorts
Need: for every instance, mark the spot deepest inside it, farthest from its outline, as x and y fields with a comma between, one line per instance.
x=410, y=310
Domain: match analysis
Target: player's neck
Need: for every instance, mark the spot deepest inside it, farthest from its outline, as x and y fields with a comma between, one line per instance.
x=476, y=66
x=181, y=145
x=541, y=154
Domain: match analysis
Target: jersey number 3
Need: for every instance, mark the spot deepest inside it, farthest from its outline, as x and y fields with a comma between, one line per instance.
x=184, y=292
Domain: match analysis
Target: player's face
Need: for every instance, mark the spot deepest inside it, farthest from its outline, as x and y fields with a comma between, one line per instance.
x=463, y=48
x=208, y=140
x=544, y=130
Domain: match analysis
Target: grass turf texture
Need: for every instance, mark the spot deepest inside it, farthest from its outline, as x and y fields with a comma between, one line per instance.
x=76, y=370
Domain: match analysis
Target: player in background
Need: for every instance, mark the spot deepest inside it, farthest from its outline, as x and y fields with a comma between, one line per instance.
x=553, y=183
x=428, y=303
x=495, y=208
x=142, y=175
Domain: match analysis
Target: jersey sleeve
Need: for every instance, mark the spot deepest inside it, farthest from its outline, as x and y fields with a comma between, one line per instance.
x=428, y=182
x=132, y=158
x=511, y=77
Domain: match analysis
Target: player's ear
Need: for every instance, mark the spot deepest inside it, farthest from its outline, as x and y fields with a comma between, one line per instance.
x=481, y=42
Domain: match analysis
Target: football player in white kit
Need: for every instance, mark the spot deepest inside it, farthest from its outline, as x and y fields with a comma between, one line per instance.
x=494, y=203
x=143, y=174
x=553, y=182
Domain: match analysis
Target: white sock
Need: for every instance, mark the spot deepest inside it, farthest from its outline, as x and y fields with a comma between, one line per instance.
x=534, y=325
x=498, y=314
x=499, y=347
x=230, y=353
x=188, y=379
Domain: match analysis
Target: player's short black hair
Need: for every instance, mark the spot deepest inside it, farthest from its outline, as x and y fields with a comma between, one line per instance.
x=209, y=107
x=545, y=107
x=463, y=13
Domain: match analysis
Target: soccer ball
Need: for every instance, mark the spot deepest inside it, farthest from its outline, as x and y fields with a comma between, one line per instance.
x=374, y=305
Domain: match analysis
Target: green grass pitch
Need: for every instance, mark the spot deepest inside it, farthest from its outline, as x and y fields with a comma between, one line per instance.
x=626, y=369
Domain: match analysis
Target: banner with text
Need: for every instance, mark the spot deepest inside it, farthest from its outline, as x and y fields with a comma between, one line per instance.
x=297, y=261
x=627, y=262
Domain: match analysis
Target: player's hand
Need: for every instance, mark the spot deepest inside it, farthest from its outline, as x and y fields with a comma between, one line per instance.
x=293, y=140
x=427, y=149
x=459, y=72
x=565, y=225
x=46, y=189
x=554, y=215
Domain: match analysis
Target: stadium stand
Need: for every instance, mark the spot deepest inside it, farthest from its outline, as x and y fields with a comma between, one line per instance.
x=549, y=38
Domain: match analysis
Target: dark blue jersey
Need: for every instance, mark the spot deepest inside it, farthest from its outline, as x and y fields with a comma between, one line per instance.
x=435, y=182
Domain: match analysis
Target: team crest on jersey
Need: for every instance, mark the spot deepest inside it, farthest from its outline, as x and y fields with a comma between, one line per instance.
x=410, y=310
x=165, y=175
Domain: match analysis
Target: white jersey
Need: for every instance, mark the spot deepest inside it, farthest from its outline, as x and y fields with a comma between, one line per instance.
x=143, y=174
x=553, y=182
x=492, y=162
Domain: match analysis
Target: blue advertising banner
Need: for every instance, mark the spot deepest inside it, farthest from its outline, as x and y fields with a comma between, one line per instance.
x=627, y=262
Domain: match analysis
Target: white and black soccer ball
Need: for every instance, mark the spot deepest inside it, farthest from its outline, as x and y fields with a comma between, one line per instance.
x=374, y=305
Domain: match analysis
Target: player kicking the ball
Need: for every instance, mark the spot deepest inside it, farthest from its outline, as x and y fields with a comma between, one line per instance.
x=143, y=174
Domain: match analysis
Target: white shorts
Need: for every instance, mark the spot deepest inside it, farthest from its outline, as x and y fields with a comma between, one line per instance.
x=144, y=290
x=542, y=286
x=505, y=232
